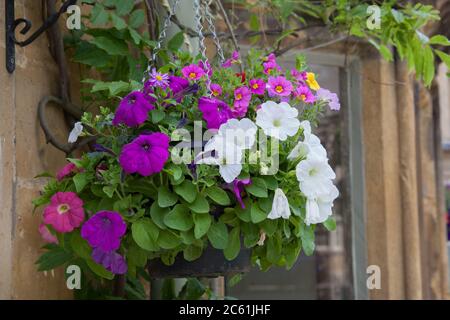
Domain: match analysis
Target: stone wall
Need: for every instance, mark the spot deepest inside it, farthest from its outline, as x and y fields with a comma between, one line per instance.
x=24, y=154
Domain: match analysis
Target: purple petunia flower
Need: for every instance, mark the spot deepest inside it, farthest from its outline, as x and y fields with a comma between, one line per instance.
x=158, y=79
x=111, y=260
x=331, y=97
x=304, y=93
x=270, y=66
x=242, y=97
x=215, y=111
x=104, y=230
x=238, y=188
x=146, y=154
x=279, y=86
x=133, y=110
x=299, y=76
x=192, y=72
x=216, y=89
x=257, y=86
x=234, y=59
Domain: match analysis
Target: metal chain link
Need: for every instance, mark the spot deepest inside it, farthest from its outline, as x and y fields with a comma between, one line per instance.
x=201, y=42
x=212, y=29
x=161, y=37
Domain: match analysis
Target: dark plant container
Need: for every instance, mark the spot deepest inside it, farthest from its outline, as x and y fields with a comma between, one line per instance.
x=211, y=264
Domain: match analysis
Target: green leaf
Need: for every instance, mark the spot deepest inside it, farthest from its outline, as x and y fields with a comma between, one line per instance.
x=233, y=245
x=187, y=190
x=218, y=195
x=192, y=290
x=80, y=246
x=80, y=180
x=257, y=188
x=157, y=116
x=99, y=15
x=111, y=45
x=428, y=65
x=145, y=233
x=330, y=224
x=200, y=205
x=307, y=237
x=218, y=235
x=271, y=182
x=273, y=249
x=444, y=57
x=137, y=18
x=244, y=213
x=118, y=22
x=440, y=40
x=202, y=222
x=176, y=42
x=99, y=269
x=124, y=7
x=166, y=198
x=88, y=54
x=179, y=218
x=157, y=213
x=168, y=240
x=256, y=214
x=53, y=258
x=192, y=253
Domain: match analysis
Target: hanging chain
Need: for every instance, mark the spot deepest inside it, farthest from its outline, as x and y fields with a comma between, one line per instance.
x=212, y=28
x=201, y=43
x=161, y=37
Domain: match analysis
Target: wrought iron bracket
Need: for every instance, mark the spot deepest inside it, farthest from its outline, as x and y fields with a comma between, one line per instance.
x=11, y=23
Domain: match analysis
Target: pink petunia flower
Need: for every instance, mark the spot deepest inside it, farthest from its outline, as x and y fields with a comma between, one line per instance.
x=68, y=170
x=242, y=97
x=257, y=86
x=299, y=76
x=279, y=86
x=65, y=212
x=234, y=59
x=304, y=94
x=146, y=154
x=216, y=89
x=46, y=235
x=192, y=72
x=270, y=66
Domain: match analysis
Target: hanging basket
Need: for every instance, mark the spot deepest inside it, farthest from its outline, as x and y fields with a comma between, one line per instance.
x=211, y=264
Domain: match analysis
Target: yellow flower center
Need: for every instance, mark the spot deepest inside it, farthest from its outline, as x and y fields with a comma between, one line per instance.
x=215, y=93
x=63, y=208
x=255, y=86
x=239, y=96
x=192, y=75
x=279, y=89
x=158, y=77
x=303, y=97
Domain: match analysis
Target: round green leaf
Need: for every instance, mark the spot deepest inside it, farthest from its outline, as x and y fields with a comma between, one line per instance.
x=200, y=205
x=202, y=223
x=145, y=233
x=218, y=195
x=166, y=198
x=218, y=235
x=179, y=218
x=187, y=190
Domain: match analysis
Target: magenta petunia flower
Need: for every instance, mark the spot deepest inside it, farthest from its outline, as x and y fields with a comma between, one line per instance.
x=65, y=212
x=330, y=97
x=238, y=188
x=68, y=170
x=257, y=86
x=133, y=110
x=177, y=84
x=215, y=112
x=192, y=72
x=146, y=154
x=271, y=58
x=104, y=230
x=242, y=97
x=216, y=89
x=158, y=79
x=270, y=66
x=303, y=93
x=234, y=59
x=111, y=260
x=46, y=235
x=279, y=86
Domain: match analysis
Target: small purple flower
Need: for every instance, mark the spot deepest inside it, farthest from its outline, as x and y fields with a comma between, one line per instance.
x=242, y=97
x=234, y=59
x=331, y=97
x=299, y=76
x=111, y=260
x=215, y=111
x=270, y=66
x=257, y=86
x=192, y=72
x=146, y=154
x=104, y=230
x=238, y=188
x=303, y=93
x=270, y=58
x=216, y=89
x=158, y=79
x=133, y=110
x=279, y=86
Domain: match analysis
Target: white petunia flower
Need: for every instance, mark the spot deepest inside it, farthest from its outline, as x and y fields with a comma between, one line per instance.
x=239, y=132
x=226, y=155
x=280, y=206
x=278, y=120
x=310, y=144
x=314, y=175
x=75, y=133
x=320, y=208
